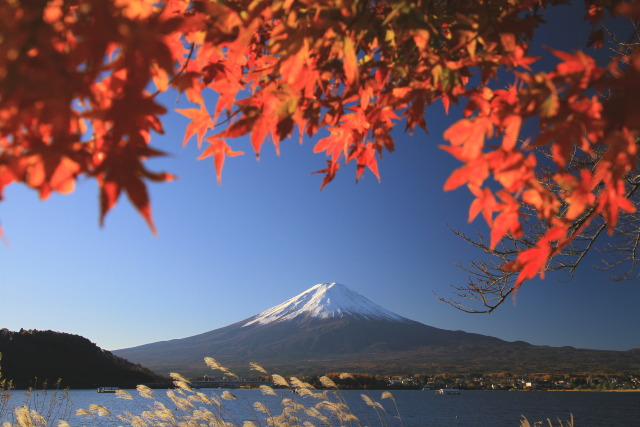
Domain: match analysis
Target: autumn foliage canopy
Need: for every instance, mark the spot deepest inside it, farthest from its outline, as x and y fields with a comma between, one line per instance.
x=79, y=85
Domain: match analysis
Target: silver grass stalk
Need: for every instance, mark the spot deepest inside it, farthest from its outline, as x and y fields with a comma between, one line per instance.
x=371, y=402
x=133, y=420
x=183, y=386
x=213, y=364
x=28, y=418
x=321, y=395
x=145, y=392
x=388, y=395
x=328, y=405
x=80, y=412
x=162, y=412
x=327, y=382
x=205, y=399
x=261, y=407
x=200, y=397
x=148, y=415
x=305, y=392
x=208, y=416
x=350, y=417
x=123, y=394
x=227, y=395
x=279, y=380
x=295, y=382
x=313, y=412
x=178, y=377
x=180, y=402
x=265, y=389
x=100, y=410
x=257, y=367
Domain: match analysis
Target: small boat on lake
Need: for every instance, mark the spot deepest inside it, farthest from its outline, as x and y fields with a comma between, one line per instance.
x=448, y=391
x=108, y=389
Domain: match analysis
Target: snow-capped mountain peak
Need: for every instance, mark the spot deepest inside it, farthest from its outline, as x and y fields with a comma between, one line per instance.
x=324, y=301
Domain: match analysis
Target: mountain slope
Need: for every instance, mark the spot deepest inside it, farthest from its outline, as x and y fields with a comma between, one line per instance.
x=329, y=327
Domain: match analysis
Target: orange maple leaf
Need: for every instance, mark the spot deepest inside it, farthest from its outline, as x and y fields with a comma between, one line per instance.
x=139, y=197
x=612, y=200
x=484, y=202
x=511, y=125
x=335, y=145
x=534, y=260
x=576, y=192
x=111, y=187
x=200, y=123
x=474, y=172
x=219, y=150
x=350, y=63
x=529, y=263
x=508, y=221
x=365, y=157
x=329, y=172
x=470, y=135
x=544, y=201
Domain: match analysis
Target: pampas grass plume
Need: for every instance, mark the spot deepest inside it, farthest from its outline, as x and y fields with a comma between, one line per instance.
x=123, y=394
x=295, y=382
x=145, y=391
x=256, y=367
x=261, y=407
x=279, y=380
x=177, y=377
x=267, y=390
x=387, y=395
x=371, y=402
x=327, y=382
x=227, y=395
x=100, y=410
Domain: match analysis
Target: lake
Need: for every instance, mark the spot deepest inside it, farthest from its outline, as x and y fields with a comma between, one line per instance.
x=416, y=408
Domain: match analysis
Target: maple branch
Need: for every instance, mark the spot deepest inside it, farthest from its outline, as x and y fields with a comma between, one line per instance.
x=228, y=119
x=489, y=284
x=628, y=241
x=180, y=72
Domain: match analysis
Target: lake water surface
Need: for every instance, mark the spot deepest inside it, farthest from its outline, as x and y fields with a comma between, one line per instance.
x=416, y=408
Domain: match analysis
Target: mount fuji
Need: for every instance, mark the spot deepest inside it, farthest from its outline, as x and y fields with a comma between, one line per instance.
x=325, y=301
x=330, y=327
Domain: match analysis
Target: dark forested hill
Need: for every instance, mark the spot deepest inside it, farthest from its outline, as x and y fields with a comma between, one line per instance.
x=79, y=363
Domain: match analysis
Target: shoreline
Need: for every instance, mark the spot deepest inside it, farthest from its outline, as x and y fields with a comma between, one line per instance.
x=622, y=390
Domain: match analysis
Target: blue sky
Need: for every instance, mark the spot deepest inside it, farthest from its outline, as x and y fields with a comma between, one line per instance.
x=224, y=253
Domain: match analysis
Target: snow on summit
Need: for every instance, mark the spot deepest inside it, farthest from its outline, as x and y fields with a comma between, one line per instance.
x=325, y=301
